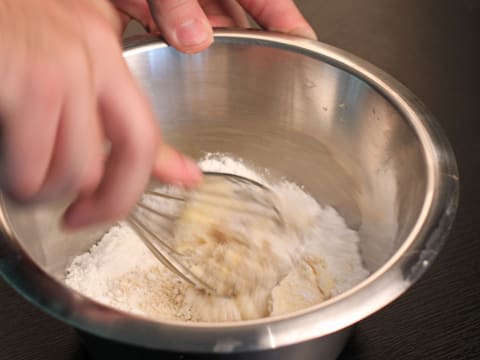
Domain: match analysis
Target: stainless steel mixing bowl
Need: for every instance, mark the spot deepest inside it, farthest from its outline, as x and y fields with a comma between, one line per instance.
x=351, y=135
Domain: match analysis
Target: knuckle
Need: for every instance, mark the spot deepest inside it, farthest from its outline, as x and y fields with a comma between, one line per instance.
x=256, y=8
x=170, y=6
x=103, y=22
x=75, y=61
x=101, y=29
x=43, y=81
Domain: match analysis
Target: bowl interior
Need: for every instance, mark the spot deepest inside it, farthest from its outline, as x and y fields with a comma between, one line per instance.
x=293, y=113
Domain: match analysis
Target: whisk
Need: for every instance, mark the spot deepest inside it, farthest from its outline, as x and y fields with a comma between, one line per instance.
x=184, y=230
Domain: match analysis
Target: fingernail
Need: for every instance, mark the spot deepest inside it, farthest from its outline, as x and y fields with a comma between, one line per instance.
x=193, y=33
x=305, y=32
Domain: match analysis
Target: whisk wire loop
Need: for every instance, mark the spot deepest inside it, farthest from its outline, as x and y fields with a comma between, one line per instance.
x=245, y=197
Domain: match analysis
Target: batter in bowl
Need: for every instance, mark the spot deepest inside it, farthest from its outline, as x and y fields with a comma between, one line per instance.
x=120, y=271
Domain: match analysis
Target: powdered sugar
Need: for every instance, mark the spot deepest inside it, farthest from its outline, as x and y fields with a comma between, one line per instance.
x=119, y=271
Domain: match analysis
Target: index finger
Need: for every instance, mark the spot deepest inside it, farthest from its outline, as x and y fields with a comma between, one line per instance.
x=279, y=15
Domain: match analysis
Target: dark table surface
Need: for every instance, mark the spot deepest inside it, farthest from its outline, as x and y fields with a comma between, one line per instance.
x=433, y=47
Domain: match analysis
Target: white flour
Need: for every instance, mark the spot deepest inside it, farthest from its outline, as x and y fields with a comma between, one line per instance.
x=119, y=271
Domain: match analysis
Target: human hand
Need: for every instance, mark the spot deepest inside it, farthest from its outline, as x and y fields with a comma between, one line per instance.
x=187, y=24
x=65, y=90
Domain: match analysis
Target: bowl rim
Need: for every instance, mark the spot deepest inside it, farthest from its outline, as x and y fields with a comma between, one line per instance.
x=388, y=282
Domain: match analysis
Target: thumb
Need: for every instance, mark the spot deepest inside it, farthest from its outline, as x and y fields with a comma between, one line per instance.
x=183, y=24
x=279, y=15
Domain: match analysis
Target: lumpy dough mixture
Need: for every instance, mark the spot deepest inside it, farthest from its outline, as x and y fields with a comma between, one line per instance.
x=121, y=272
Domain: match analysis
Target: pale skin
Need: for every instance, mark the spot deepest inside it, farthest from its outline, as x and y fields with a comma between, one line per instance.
x=66, y=91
